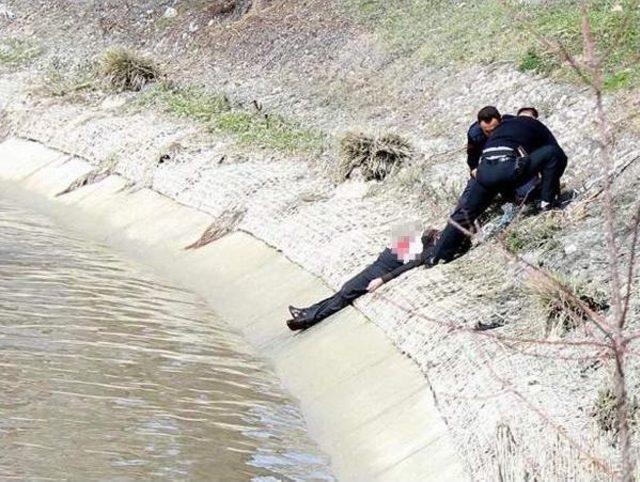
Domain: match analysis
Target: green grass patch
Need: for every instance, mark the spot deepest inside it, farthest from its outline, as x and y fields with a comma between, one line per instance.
x=439, y=32
x=190, y=102
x=15, y=52
x=534, y=61
x=250, y=127
x=533, y=233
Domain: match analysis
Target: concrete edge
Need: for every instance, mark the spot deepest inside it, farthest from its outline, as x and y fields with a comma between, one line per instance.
x=368, y=406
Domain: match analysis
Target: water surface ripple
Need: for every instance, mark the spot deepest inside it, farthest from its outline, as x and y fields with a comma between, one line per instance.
x=109, y=373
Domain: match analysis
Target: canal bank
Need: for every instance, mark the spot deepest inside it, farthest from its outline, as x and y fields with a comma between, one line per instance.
x=366, y=404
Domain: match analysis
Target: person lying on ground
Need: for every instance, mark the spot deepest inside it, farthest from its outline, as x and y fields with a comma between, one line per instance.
x=408, y=250
x=516, y=149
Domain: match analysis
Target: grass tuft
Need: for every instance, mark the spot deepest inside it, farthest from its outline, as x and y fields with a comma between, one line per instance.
x=125, y=70
x=376, y=156
x=606, y=414
x=557, y=299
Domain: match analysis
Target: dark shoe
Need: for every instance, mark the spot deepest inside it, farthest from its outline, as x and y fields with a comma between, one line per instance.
x=296, y=313
x=300, y=324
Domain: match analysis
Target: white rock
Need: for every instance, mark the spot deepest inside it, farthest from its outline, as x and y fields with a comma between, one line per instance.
x=170, y=12
x=193, y=27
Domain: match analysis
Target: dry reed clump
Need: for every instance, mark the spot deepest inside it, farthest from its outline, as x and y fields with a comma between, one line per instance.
x=606, y=415
x=228, y=222
x=375, y=156
x=126, y=70
x=563, y=301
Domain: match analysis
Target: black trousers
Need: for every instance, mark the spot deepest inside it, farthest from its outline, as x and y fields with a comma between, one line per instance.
x=550, y=161
x=352, y=289
x=490, y=180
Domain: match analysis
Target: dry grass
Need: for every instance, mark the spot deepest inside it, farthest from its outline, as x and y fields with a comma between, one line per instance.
x=227, y=223
x=376, y=156
x=557, y=297
x=126, y=70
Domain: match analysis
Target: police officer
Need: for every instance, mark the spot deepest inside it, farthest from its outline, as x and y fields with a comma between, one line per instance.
x=516, y=149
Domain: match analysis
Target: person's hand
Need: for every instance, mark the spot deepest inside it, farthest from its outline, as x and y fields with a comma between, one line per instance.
x=473, y=172
x=375, y=284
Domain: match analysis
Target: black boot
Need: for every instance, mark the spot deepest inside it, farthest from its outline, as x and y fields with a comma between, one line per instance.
x=297, y=313
x=300, y=324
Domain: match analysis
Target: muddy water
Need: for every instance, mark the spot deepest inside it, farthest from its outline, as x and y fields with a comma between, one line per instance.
x=108, y=373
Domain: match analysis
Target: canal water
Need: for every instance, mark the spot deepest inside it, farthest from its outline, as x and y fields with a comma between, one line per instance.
x=109, y=373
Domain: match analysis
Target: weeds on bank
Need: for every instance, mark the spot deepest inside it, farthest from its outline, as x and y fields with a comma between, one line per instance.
x=376, y=156
x=605, y=412
x=60, y=79
x=561, y=301
x=125, y=70
x=250, y=127
x=15, y=52
x=442, y=29
x=534, y=233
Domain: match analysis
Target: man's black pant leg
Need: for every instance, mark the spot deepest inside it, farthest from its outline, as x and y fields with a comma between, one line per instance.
x=550, y=161
x=350, y=291
x=474, y=200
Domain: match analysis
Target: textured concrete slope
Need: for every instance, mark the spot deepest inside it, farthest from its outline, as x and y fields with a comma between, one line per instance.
x=367, y=405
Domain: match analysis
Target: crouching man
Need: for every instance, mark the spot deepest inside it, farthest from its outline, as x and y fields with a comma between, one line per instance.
x=408, y=249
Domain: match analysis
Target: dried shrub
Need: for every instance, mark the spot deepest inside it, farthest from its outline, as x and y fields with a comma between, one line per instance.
x=229, y=220
x=126, y=70
x=605, y=412
x=558, y=299
x=376, y=156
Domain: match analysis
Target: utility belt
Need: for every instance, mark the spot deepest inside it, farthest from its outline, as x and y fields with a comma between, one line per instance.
x=502, y=166
x=496, y=155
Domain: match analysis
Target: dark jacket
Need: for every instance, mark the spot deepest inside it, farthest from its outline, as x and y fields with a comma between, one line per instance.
x=476, y=141
x=522, y=131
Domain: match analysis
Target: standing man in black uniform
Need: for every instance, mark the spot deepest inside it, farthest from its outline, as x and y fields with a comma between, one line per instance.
x=517, y=148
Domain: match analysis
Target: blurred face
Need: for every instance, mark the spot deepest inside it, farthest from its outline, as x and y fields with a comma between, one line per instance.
x=406, y=241
x=489, y=127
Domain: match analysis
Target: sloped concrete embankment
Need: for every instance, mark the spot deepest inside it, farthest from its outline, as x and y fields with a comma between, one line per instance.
x=368, y=406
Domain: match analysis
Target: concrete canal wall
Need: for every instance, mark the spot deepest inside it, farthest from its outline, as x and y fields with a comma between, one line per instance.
x=368, y=406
